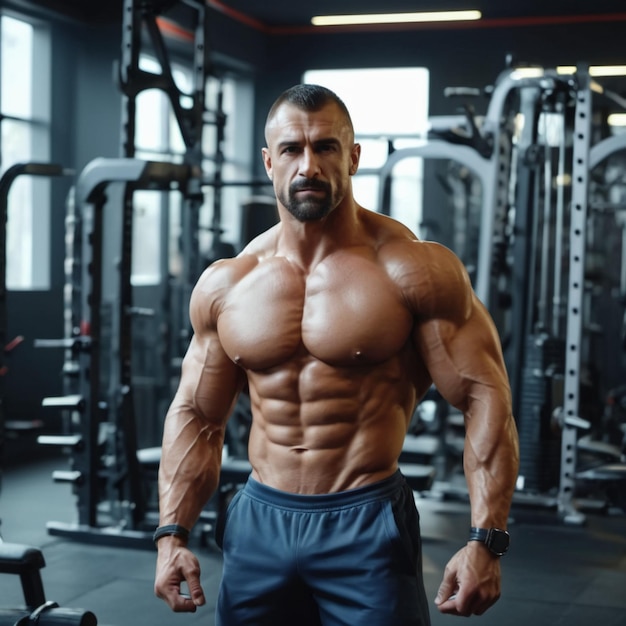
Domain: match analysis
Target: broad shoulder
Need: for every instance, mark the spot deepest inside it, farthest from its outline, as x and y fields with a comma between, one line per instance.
x=225, y=273
x=221, y=277
x=213, y=286
x=432, y=279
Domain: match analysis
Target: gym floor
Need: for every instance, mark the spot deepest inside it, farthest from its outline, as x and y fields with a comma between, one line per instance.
x=555, y=574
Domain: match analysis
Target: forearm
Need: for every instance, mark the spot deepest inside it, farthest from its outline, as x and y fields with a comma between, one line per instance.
x=190, y=467
x=491, y=464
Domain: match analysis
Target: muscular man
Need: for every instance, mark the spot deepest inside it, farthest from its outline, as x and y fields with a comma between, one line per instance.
x=339, y=320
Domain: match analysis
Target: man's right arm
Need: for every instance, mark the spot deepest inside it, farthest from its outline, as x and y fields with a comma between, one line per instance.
x=191, y=453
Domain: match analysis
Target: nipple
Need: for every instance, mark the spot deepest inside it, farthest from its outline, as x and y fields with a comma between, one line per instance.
x=358, y=354
x=237, y=359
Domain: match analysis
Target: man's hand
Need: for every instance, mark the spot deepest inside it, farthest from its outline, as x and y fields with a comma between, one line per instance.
x=471, y=582
x=175, y=564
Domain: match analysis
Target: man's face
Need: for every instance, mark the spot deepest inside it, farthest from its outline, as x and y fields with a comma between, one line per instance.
x=310, y=157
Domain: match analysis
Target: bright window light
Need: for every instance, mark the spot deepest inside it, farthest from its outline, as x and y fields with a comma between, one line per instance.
x=24, y=135
x=398, y=107
x=617, y=119
x=395, y=18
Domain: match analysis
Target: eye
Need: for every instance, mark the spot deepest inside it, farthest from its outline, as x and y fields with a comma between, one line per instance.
x=327, y=147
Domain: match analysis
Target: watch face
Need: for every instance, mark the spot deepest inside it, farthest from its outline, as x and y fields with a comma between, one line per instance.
x=498, y=541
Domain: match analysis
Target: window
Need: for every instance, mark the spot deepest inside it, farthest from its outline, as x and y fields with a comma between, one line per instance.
x=24, y=104
x=158, y=138
x=393, y=115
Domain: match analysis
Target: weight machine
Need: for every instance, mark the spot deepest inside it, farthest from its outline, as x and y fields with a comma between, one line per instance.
x=553, y=387
x=532, y=261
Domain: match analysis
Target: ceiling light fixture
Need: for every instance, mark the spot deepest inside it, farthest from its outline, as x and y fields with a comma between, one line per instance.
x=595, y=70
x=395, y=18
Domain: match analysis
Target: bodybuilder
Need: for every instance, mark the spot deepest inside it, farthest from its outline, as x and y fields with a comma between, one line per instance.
x=338, y=319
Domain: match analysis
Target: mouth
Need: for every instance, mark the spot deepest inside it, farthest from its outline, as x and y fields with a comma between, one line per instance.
x=307, y=190
x=315, y=187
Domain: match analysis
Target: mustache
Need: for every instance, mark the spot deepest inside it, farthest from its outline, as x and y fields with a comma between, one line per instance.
x=308, y=183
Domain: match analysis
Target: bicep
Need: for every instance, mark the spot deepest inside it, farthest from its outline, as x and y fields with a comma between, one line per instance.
x=464, y=358
x=209, y=381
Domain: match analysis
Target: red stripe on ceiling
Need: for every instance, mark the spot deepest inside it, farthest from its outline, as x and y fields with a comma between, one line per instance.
x=170, y=29
x=483, y=23
x=237, y=15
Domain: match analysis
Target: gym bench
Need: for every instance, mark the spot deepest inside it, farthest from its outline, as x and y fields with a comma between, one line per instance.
x=26, y=562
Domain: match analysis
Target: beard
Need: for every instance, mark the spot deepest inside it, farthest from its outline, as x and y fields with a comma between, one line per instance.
x=308, y=209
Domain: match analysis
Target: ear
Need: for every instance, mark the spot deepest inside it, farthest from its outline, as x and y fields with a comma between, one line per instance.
x=355, y=156
x=267, y=162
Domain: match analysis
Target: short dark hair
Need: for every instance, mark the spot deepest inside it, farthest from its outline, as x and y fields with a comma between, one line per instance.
x=309, y=98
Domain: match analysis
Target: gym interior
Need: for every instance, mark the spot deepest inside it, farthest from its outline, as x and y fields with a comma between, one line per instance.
x=130, y=159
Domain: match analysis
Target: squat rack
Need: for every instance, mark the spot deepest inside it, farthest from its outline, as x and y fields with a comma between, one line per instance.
x=104, y=466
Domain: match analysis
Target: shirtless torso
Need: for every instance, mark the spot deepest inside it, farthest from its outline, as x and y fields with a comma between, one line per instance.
x=332, y=370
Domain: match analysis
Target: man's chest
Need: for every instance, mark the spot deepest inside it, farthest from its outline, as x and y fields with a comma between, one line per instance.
x=343, y=313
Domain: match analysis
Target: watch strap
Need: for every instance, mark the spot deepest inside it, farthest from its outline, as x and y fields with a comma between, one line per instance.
x=478, y=534
x=170, y=529
x=496, y=540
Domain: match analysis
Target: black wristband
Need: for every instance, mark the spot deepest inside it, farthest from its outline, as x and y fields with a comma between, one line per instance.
x=478, y=534
x=495, y=539
x=170, y=529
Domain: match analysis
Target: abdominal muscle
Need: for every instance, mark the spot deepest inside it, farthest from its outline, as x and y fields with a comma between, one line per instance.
x=322, y=429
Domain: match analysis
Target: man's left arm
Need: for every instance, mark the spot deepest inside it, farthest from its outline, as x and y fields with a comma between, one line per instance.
x=460, y=346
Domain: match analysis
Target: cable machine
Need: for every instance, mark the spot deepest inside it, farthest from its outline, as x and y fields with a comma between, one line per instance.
x=531, y=267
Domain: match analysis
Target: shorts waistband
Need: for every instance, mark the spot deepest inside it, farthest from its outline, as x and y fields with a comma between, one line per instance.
x=380, y=490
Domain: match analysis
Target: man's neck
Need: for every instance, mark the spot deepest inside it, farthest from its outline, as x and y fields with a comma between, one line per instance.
x=308, y=243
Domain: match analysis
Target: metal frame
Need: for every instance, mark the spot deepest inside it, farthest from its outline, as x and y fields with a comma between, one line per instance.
x=6, y=182
x=90, y=411
x=576, y=285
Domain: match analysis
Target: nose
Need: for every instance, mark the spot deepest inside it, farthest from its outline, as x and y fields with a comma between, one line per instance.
x=309, y=164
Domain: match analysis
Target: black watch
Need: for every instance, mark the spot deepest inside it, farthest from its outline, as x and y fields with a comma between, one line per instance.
x=496, y=540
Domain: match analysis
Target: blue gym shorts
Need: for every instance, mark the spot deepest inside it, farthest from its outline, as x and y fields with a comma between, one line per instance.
x=343, y=559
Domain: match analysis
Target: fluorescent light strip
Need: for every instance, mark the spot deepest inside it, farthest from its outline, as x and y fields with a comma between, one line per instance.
x=395, y=18
x=596, y=70
x=527, y=72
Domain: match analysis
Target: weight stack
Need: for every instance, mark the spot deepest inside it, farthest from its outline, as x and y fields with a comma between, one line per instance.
x=541, y=392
